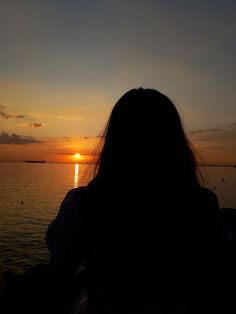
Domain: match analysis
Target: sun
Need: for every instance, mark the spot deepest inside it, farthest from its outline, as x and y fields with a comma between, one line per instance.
x=77, y=156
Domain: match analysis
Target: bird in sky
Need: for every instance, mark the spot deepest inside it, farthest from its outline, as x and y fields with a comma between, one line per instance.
x=222, y=180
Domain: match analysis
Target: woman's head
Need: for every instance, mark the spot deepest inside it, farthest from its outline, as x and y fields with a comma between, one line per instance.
x=145, y=130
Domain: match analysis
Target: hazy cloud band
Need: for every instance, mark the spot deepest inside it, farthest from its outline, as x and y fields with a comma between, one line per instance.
x=9, y=116
x=5, y=138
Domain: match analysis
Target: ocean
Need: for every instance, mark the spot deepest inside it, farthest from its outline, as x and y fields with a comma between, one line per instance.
x=30, y=196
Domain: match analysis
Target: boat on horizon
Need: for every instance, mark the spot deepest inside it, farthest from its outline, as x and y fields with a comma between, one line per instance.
x=36, y=161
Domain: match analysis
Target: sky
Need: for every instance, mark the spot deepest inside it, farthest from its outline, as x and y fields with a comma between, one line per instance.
x=64, y=64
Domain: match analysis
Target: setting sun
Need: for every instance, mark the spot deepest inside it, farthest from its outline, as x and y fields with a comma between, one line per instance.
x=77, y=156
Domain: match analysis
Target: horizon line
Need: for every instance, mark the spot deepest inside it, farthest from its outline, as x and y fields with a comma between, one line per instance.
x=93, y=163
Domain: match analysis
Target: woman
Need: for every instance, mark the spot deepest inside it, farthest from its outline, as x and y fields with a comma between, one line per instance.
x=144, y=227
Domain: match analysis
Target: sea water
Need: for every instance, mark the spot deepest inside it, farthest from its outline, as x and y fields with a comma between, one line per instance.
x=31, y=194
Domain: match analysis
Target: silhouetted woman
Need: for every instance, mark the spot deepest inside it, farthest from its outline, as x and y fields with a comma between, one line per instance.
x=144, y=227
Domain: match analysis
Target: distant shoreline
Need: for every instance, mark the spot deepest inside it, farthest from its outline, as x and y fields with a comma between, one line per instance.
x=36, y=161
x=92, y=163
x=232, y=166
x=49, y=162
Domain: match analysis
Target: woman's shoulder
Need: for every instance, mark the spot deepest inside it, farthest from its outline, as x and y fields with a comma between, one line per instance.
x=68, y=214
x=208, y=194
x=72, y=203
x=75, y=194
x=76, y=191
x=209, y=199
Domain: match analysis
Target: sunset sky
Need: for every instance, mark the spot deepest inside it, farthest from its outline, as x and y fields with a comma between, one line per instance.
x=64, y=64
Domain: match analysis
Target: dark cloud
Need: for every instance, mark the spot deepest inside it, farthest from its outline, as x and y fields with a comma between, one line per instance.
x=72, y=154
x=5, y=115
x=71, y=139
x=5, y=138
x=204, y=131
x=227, y=132
x=68, y=139
x=35, y=125
x=216, y=145
x=231, y=125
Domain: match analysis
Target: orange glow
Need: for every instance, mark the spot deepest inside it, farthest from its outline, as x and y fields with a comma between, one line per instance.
x=77, y=156
x=76, y=176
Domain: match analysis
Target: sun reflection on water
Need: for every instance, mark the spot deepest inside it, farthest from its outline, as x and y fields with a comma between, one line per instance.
x=76, y=176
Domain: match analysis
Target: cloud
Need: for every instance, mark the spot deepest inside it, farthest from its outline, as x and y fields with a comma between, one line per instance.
x=68, y=138
x=231, y=125
x=82, y=154
x=85, y=137
x=35, y=125
x=204, y=131
x=216, y=145
x=9, y=116
x=16, y=139
x=226, y=132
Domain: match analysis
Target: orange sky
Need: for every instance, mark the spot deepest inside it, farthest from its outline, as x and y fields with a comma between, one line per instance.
x=211, y=146
x=52, y=150
x=54, y=125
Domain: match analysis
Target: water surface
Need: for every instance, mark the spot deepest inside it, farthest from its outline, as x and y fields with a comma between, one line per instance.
x=30, y=196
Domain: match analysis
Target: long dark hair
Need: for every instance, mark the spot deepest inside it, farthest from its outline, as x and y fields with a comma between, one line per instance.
x=147, y=227
x=145, y=131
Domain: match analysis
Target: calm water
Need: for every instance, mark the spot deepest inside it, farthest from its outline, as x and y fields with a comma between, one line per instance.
x=30, y=196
